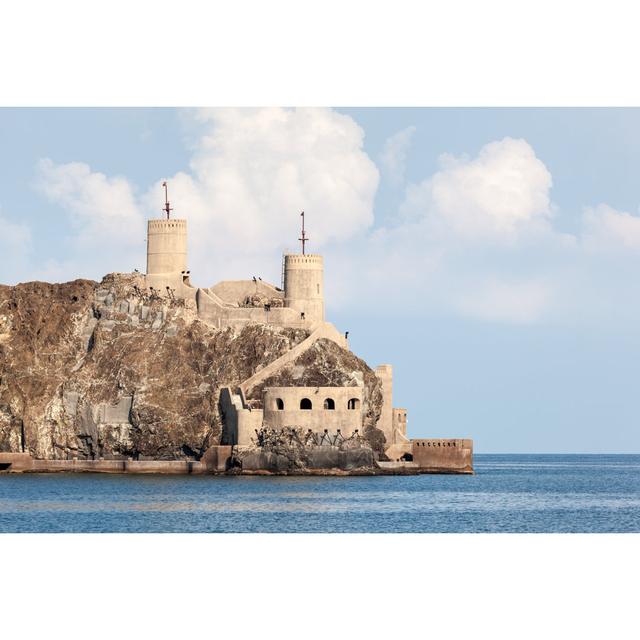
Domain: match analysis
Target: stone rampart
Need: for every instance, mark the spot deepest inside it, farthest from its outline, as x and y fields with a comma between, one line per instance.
x=218, y=313
x=443, y=455
x=315, y=408
x=236, y=291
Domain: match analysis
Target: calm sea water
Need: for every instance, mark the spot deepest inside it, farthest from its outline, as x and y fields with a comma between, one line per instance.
x=509, y=493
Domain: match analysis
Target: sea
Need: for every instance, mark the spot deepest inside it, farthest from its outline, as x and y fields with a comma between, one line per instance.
x=507, y=494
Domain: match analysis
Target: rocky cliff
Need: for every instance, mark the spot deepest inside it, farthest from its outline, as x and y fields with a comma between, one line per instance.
x=107, y=370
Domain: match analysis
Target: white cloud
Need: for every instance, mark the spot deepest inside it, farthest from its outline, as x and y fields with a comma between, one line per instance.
x=107, y=219
x=501, y=193
x=101, y=208
x=252, y=173
x=474, y=239
x=605, y=228
x=393, y=158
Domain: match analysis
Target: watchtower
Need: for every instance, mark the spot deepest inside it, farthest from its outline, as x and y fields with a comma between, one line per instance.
x=303, y=282
x=304, y=286
x=167, y=249
x=166, y=246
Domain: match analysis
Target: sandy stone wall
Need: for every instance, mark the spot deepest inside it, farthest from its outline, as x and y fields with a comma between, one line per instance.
x=166, y=246
x=443, y=454
x=384, y=372
x=236, y=291
x=304, y=285
x=319, y=417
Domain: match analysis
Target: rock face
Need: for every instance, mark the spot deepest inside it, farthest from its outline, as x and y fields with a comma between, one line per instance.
x=315, y=458
x=105, y=369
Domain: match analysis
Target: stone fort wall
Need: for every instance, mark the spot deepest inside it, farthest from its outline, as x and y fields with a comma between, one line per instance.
x=439, y=454
x=329, y=408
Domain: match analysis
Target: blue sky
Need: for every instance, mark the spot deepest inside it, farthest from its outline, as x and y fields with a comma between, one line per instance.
x=491, y=255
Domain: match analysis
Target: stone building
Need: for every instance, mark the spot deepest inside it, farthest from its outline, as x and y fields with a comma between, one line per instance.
x=299, y=304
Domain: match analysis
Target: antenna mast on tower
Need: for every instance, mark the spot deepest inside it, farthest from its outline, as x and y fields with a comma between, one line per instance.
x=166, y=208
x=303, y=239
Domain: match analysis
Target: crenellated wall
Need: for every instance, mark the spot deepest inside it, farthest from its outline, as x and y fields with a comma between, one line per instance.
x=436, y=454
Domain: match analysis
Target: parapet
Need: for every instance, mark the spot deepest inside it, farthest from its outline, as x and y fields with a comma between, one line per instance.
x=159, y=226
x=438, y=455
x=302, y=261
x=384, y=369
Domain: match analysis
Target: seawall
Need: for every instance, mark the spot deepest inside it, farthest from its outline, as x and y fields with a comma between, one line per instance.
x=429, y=456
x=23, y=462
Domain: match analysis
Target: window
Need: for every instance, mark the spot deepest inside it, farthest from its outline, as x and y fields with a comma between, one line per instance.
x=279, y=404
x=305, y=404
x=354, y=403
x=329, y=404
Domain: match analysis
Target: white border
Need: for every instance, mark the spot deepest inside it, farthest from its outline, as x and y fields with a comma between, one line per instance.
x=323, y=53
x=335, y=52
x=319, y=586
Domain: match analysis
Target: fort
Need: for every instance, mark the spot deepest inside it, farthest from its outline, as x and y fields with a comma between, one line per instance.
x=284, y=416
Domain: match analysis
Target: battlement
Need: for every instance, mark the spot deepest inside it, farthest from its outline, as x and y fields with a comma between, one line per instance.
x=442, y=442
x=301, y=261
x=166, y=226
x=443, y=455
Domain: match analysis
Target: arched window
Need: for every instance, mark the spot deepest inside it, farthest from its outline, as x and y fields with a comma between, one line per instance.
x=329, y=404
x=279, y=404
x=354, y=403
x=305, y=404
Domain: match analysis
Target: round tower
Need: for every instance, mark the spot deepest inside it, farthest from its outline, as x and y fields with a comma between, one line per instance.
x=304, y=286
x=166, y=246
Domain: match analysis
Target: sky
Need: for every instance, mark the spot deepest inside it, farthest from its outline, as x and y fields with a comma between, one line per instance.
x=491, y=255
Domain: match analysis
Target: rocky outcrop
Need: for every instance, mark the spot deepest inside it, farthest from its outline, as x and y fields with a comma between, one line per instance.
x=93, y=370
x=326, y=458
x=289, y=451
